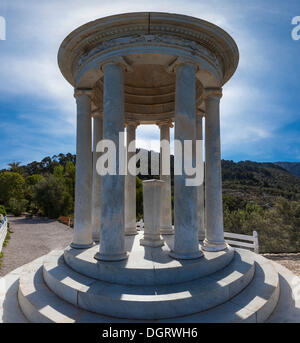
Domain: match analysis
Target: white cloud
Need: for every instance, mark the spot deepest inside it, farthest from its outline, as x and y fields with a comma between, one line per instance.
x=28, y=66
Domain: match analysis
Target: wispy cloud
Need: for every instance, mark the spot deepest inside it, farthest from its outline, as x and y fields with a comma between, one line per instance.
x=255, y=105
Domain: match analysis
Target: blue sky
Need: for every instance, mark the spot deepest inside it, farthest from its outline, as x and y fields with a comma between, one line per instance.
x=260, y=116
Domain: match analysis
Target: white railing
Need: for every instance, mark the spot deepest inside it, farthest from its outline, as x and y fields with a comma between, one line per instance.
x=238, y=240
x=3, y=231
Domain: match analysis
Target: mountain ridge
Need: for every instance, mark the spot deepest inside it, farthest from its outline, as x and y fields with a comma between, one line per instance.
x=292, y=167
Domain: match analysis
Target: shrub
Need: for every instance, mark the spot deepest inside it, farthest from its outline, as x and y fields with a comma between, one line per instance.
x=30, y=182
x=17, y=206
x=33, y=208
x=11, y=186
x=278, y=227
x=3, y=210
x=51, y=197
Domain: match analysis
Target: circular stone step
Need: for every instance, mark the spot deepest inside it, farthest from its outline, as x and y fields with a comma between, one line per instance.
x=253, y=304
x=146, y=266
x=149, y=302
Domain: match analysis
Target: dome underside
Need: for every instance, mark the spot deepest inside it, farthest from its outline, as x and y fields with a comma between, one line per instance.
x=149, y=94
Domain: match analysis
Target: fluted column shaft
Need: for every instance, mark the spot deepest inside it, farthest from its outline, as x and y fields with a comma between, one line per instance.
x=200, y=189
x=112, y=244
x=166, y=227
x=130, y=184
x=214, y=240
x=186, y=244
x=96, y=192
x=82, y=237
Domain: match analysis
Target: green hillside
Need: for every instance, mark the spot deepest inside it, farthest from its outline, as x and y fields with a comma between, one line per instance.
x=263, y=197
x=292, y=167
x=259, y=182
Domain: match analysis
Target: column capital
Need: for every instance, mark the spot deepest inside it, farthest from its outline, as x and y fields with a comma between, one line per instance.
x=167, y=122
x=201, y=113
x=83, y=91
x=130, y=122
x=171, y=68
x=212, y=92
x=97, y=113
x=119, y=60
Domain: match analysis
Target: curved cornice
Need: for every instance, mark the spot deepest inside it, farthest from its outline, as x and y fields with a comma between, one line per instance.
x=196, y=34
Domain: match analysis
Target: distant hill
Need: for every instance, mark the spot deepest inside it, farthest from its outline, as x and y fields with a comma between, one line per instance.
x=292, y=167
x=259, y=182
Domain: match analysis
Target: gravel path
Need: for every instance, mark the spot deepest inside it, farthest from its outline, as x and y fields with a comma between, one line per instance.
x=289, y=261
x=32, y=238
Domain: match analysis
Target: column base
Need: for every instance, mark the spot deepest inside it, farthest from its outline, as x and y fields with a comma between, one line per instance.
x=81, y=246
x=167, y=230
x=111, y=258
x=186, y=256
x=96, y=237
x=151, y=243
x=130, y=231
x=214, y=246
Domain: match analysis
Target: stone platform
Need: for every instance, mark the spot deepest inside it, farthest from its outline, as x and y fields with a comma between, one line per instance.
x=246, y=288
x=146, y=266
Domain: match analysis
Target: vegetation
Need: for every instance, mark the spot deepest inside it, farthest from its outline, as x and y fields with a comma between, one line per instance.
x=44, y=188
x=263, y=197
x=292, y=167
x=11, y=186
x=51, y=197
x=278, y=227
x=17, y=206
x=3, y=210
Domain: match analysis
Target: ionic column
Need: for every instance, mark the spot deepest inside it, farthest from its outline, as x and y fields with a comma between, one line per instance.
x=112, y=194
x=200, y=189
x=130, y=182
x=96, y=192
x=214, y=240
x=186, y=245
x=166, y=227
x=82, y=237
